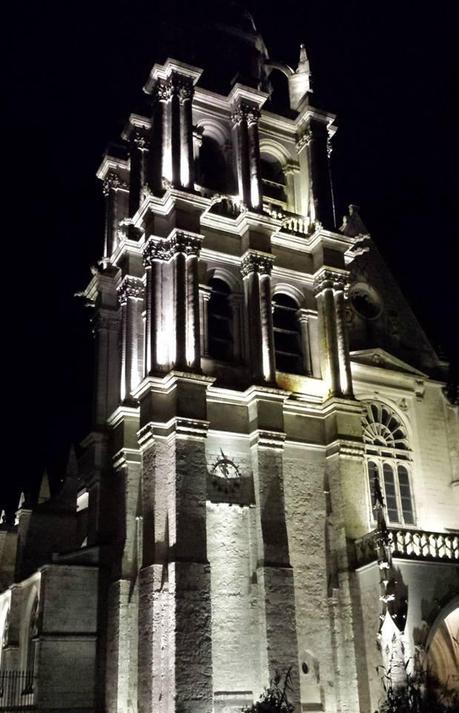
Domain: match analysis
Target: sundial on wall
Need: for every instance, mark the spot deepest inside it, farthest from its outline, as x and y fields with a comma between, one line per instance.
x=225, y=474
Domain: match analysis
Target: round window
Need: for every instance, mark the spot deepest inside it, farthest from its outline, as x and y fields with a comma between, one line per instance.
x=365, y=301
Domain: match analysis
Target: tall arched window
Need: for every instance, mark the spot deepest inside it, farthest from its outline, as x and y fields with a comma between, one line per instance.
x=388, y=463
x=220, y=321
x=272, y=179
x=287, y=334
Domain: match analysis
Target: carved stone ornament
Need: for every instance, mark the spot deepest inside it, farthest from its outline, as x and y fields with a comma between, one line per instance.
x=328, y=279
x=254, y=262
x=113, y=182
x=139, y=139
x=304, y=140
x=182, y=86
x=131, y=287
x=245, y=112
x=166, y=248
x=163, y=90
x=155, y=249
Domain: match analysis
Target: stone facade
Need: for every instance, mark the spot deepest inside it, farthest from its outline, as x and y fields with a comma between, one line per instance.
x=271, y=482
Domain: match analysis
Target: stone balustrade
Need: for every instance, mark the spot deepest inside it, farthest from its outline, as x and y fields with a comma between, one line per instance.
x=291, y=222
x=412, y=545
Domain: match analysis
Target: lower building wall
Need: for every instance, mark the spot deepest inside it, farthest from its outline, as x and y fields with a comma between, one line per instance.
x=429, y=586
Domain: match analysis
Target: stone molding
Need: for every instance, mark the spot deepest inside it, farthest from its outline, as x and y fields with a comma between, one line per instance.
x=268, y=439
x=256, y=262
x=177, y=427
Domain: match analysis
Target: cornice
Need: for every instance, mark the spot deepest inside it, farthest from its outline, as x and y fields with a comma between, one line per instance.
x=110, y=163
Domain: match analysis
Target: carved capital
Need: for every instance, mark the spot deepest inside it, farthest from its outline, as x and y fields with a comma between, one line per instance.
x=245, y=112
x=140, y=139
x=113, y=182
x=187, y=243
x=256, y=262
x=165, y=248
x=155, y=249
x=330, y=279
x=183, y=87
x=163, y=90
x=131, y=287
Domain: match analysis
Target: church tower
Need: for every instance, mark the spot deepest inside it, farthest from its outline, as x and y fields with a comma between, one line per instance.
x=271, y=480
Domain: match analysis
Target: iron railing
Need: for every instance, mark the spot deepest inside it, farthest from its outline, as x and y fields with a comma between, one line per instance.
x=16, y=691
x=411, y=545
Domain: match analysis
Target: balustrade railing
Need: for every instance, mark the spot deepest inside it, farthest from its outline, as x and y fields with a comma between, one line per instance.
x=16, y=691
x=291, y=222
x=411, y=544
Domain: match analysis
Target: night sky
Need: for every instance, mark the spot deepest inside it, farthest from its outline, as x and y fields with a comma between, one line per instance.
x=74, y=72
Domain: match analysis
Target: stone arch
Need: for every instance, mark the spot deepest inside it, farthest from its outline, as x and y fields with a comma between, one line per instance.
x=5, y=605
x=222, y=273
x=216, y=130
x=442, y=645
x=214, y=165
x=369, y=396
x=28, y=626
x=277, y=150
x=294, y=292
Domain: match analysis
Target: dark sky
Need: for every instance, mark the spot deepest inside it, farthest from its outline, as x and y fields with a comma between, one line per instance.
x=74, y=71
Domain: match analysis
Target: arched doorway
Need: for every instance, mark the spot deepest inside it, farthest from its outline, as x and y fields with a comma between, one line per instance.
x=442, y=647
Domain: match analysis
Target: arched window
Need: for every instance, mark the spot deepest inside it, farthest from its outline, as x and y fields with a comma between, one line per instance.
x=287, y=334
x=220, y=321
x=272, y=179
x=212, y=166
x=388, y=463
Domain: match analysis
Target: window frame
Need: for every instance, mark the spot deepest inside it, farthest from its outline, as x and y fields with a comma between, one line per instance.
x=395, y=458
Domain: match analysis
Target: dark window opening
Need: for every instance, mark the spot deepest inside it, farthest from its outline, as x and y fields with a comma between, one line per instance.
x=220, y=321
x=287, y=335
x=273, y=179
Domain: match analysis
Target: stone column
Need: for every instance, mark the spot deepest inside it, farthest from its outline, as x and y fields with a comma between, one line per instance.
x=112, y=184
x=164, y=96
x=185, y=93
x=252, y=117
x=256, y=272
x=303, y=319
x=204, y=297
x=239, y=120
x=131, y=295
x=329, y=290
x=193, y=342
x=138, y=158
x=175, y=658
x=342, y=339
x=290, y=171
x=106, y=325
x=278, y=639
x=156, y=350
x=238, y=337
x=315, y=137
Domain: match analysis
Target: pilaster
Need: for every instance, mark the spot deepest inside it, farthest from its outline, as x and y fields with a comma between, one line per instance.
x=276, y=594
x=329, y=286
x=256, y=272
x=131, y=296
x=172, y=302
x=314, y=139
x=175, y=659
